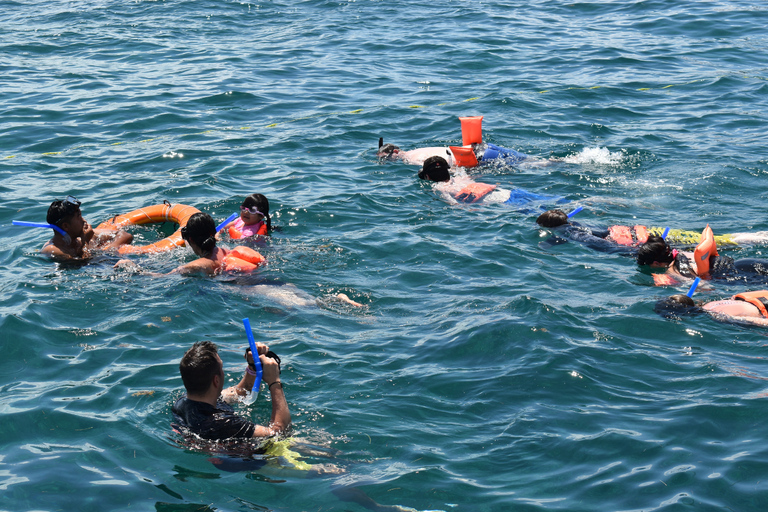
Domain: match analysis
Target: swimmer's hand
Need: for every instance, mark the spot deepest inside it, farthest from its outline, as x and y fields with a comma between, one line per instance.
x=88, y=233
x=260, y=348
x=344, y=298
x=127, y=265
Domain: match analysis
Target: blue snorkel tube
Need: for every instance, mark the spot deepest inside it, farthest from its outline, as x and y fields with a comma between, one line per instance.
x=43, y=225
x=574, y=212
x=229, y=219
x=665, y=233
x=693, y=287
x=255, y=354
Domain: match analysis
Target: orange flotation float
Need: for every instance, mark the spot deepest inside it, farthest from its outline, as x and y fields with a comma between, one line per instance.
x=236, y=234
x=471, y=130
x=166, y=212
x=463, y=156
x=474, y=192
x=705, y=250
x=243, y=259
x=759, y=299
x=629, y=236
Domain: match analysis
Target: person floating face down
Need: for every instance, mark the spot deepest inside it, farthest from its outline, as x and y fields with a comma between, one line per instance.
x=484, y=153
x=464, y=189
x=743, y=308
x=680, y=265
x=604, y=240
x=205, y=412
x=80, y=237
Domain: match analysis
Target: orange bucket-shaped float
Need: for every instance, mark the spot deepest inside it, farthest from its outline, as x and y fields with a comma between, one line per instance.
x=471, y=130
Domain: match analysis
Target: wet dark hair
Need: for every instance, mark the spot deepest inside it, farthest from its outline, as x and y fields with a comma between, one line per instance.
x=201, y=230
x=198, y=366
x=552, y=219
x=654, y=250
x=262, y=204
x=61, y=211
x=435, y=168
x=676, y=306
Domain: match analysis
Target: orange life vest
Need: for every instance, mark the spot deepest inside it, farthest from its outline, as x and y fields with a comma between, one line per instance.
x=625, y=235
x=759, y=299
x=243, y=259
x=474, y=192
x=236, y=234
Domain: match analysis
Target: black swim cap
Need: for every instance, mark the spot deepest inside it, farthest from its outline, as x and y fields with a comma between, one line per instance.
x=435, y=168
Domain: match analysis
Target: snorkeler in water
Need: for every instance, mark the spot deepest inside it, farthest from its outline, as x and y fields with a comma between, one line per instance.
x=254, y=218
x=77, y=238
x=627, y=239
x=743, y=308
x=680, y=265
x=484, y=153
x=463, y=189
x=200, y=235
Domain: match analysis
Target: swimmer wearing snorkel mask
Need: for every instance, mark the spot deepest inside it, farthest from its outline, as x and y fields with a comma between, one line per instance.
x=78, y=237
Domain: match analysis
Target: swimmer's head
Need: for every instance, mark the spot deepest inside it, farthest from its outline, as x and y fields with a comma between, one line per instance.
x=199, y=366
x=387, y=152
x=201, y=231
x=260, y=204
x=435, y=168
x=655, y=251
x=552, y=219
x=676, y=306
x=62, y=211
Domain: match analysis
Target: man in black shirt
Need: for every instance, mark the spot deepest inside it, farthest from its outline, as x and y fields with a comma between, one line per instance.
x=205, y=411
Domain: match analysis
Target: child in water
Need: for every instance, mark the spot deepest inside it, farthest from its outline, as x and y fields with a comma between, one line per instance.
x=254, y=218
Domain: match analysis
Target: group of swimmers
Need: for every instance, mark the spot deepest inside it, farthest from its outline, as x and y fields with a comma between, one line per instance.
x=652, y=247
x=204, y=411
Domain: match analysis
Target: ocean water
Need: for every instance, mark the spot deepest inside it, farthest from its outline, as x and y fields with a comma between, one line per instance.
x=484, y=372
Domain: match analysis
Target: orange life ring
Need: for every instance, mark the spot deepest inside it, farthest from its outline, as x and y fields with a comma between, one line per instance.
x=178, y=213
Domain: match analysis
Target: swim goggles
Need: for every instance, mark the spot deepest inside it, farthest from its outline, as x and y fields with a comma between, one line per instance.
x=252, y=210
x=71, y=200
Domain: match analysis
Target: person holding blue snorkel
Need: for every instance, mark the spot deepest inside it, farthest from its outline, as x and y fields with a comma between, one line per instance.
x=73, y=236
x=205, y=411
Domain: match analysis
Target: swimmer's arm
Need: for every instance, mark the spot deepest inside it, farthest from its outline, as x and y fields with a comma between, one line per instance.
x=199, y=266
x=281, y=416
x=56, y=254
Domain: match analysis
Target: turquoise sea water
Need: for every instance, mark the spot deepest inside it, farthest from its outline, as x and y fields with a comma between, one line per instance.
x=484, y=372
